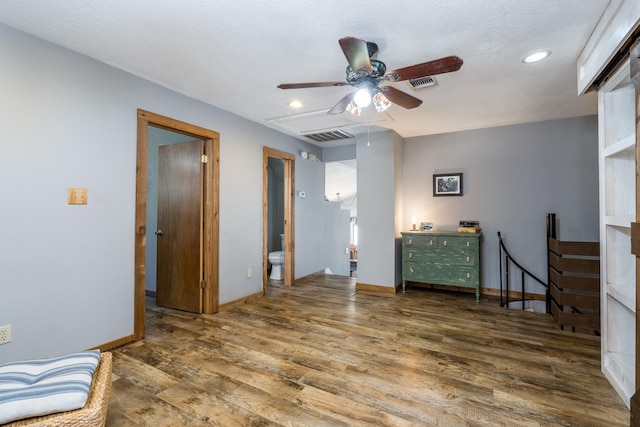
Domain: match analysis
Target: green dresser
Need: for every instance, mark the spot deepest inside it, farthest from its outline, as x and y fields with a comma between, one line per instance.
x=441, y=258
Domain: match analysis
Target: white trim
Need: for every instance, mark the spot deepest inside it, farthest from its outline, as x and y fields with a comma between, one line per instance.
x=619, y=20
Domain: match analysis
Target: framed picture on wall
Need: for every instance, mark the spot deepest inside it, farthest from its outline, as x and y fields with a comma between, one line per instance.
x=447, y=184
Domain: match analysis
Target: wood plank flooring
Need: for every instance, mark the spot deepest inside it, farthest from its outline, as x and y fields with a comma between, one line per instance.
x=321, y=354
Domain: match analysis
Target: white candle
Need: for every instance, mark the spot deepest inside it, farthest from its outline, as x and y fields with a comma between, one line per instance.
x=414, y=222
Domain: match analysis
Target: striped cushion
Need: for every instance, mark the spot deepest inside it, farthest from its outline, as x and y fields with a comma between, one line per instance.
x=45, y=386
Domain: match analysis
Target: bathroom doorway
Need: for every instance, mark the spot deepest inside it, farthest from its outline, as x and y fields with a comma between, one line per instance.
x=271, y=212
x=275, y=218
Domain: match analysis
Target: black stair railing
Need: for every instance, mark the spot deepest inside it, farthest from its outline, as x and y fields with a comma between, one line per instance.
x=505, y=278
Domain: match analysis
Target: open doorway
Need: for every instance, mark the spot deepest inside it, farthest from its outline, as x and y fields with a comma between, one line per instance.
x=270, y=213
x=209, y=241
x=275, y=219
x=341, y=186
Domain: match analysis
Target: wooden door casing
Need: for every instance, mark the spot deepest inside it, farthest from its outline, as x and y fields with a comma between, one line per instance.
x=289, y=226
x=211, y=215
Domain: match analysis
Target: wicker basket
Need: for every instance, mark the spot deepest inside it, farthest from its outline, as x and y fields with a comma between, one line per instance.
x=94, y=412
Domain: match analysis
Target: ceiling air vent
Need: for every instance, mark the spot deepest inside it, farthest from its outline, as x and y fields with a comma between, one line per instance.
x=329, y=136
x=422, y=82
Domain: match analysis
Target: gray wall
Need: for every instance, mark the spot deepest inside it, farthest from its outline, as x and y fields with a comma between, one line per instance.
x=339, y=152
x=379, y=204
x=335, y=242
x=398, y=159
x=66, y=272
x=513, y=176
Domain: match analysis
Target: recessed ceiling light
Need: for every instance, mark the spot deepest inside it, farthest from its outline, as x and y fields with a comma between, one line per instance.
x=536, y=56
x=295, y=104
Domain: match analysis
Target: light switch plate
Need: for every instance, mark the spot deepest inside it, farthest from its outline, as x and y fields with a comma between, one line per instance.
x=77, y=196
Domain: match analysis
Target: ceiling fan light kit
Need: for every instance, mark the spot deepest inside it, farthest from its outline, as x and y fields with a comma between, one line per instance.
x=362, y=98
x=381, y=102
x=366, y=74
x=354, y=108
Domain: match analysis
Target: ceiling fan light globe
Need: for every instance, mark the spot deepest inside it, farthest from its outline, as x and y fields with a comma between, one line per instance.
x=353, y=108
x=362, y=98
x=381, y=102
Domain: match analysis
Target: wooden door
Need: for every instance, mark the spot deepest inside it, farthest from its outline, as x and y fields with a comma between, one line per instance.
x=179, y=257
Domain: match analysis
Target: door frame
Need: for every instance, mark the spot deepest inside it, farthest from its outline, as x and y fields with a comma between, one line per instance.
x=289, y=236
x=211, y=214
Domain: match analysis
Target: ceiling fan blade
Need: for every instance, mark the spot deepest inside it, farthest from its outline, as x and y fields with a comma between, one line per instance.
x=431, y=68
x=311, y=84
x=357, y=53
x=400, y=98
x=341, y=105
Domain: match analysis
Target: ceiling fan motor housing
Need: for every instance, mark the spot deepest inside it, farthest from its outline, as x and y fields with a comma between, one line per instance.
x=372, y=49
x=378, y=70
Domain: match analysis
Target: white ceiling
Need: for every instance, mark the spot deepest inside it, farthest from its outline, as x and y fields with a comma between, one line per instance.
x=233, y=53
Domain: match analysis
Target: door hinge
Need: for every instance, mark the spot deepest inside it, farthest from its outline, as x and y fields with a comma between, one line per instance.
x=204, y=158
x=203, y=284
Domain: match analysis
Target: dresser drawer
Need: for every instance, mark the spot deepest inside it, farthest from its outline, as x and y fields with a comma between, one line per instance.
x=420, y=255
x=420, y=241
x=440, y=256
x=453, y=257
x=458, y=242
x=434, y=241
x=441, y=274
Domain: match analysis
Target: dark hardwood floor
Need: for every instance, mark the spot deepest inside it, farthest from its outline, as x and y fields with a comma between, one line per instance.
x=321, y=354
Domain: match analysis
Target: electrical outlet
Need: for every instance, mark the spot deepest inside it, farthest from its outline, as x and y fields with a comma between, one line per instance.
x=5, y=334
x=249, y=272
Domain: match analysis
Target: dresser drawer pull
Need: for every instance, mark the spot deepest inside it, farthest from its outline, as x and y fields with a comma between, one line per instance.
x=411, y=256
x=412, y=270
x=468, y=276
x=468, y=244
x=430, y=242
x=445, y=243
x=411, y=241
x=468, y=259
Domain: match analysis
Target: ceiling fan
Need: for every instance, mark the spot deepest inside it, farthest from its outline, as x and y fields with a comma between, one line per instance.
x=365, y=73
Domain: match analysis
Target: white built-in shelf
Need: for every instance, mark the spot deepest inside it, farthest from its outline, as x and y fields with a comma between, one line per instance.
x=626, y=144
x=620, y=369
x=617, y=147
x=617, y=141
x=624, y=294
x=619, y=221
x=616, y=24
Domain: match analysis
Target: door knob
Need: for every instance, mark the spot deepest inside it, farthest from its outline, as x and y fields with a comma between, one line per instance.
x=159, y=233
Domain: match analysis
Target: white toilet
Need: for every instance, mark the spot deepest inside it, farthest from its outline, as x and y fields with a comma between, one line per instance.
x=276, y=259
